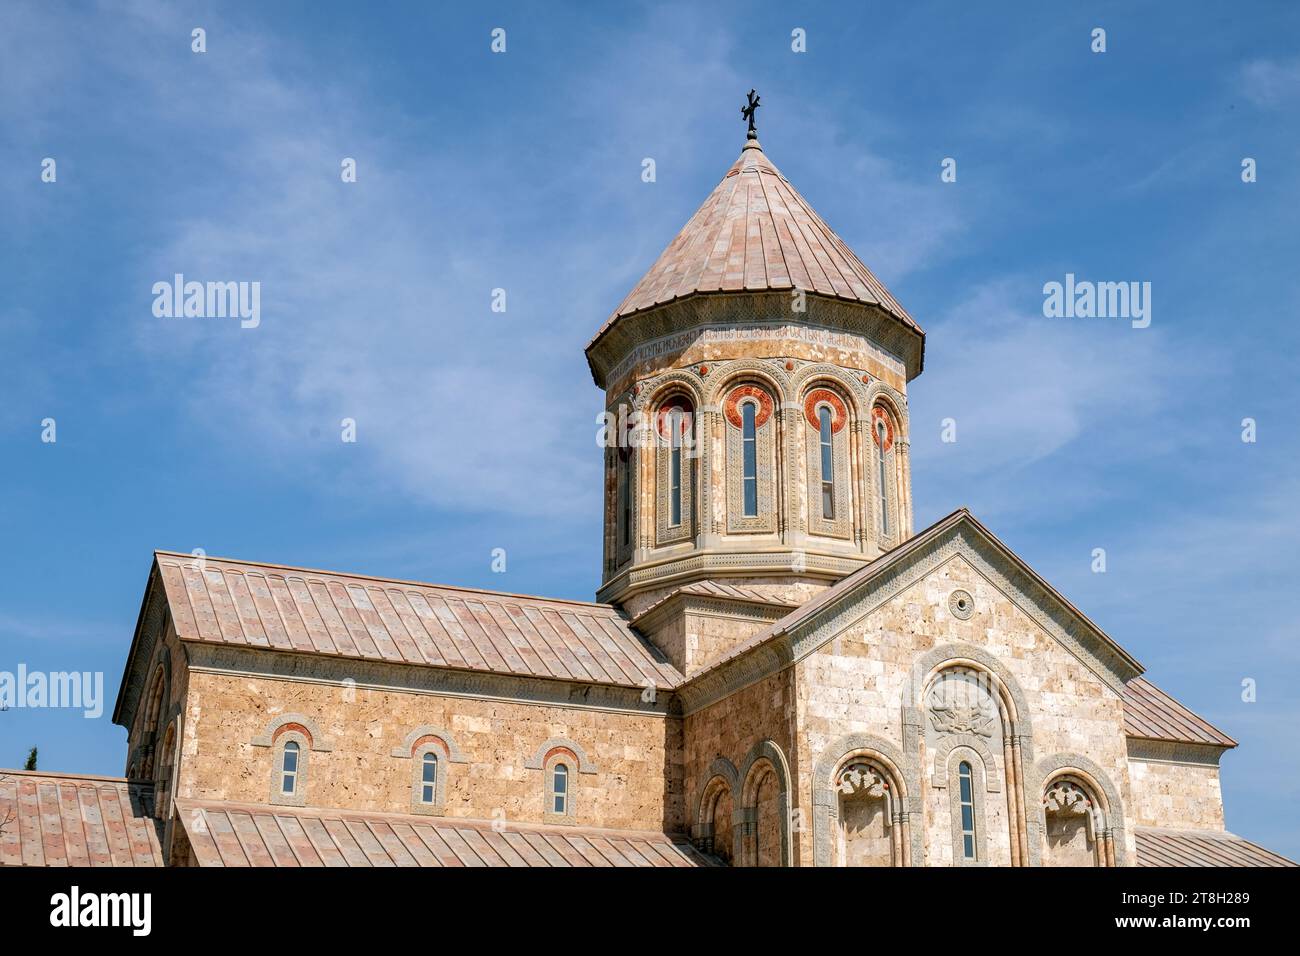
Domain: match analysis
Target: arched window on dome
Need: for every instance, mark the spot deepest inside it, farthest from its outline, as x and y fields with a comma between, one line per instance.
x=751, y=459
x=830, y=502
x=882, y=479
x=825, y=445
x=888, y=515
x=674, y=470
x=749, y=439
x=624, y=464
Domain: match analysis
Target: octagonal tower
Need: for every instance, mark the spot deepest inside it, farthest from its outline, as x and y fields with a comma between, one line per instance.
x=768, y=370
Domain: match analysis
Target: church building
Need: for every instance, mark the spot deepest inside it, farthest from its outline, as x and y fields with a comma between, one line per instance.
x=778, y=668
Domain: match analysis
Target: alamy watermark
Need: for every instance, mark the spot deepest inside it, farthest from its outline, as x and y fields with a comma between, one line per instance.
x=1083, y=299
x=82, y=690
x=179, y=299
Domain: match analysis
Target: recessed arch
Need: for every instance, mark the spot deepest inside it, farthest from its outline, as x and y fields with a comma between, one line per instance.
x=891, y=400
x=718, y=818
x=683, y=382
x=830, y=376
x=1097, y=780
x=896, y=769
x=748, y=371
x=1016, y=727
x=766, y=757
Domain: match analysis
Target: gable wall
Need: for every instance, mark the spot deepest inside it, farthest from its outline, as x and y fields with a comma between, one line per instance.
x=856, y=684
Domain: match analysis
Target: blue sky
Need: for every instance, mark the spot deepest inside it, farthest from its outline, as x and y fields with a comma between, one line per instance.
x=523, y=171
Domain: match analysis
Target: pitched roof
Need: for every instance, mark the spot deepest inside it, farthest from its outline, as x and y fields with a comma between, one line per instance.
x=347, y=615
x=49, y=819
x=755, y=232
x=1152, y=714
x=880, y=566
x=256, y=835
x=1157, y=846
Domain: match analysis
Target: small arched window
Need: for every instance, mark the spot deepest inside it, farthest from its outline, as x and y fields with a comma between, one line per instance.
x=559, y=795
x=826, y=435
x=289, y=768
x=429, y=778
x=882, y=442
x=749, y=468
x=966, y=802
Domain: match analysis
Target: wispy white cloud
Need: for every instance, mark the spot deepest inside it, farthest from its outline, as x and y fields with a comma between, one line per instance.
x=1022, y=388
x=1270, y=83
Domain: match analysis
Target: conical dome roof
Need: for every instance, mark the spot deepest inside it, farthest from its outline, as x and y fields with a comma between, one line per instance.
x=754, y=233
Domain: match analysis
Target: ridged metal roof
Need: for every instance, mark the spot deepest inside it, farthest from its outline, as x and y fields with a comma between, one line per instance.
x=1157, y=846
x=296, y=609
x=255, y=835
x=73, y=820
x=755, y=232
x=1152, y=714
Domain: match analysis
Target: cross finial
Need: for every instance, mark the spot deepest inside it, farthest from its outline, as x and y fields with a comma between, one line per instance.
x=747, y=112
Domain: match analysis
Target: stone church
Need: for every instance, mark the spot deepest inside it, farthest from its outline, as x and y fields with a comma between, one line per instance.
x=778, y=670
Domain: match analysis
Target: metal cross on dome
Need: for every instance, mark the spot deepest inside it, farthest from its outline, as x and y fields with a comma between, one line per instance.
x=747, y=112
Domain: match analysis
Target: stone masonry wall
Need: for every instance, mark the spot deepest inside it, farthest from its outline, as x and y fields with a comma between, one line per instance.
x=856, y=684
x=731, y=728
x=638, y=757
x=1167, y=794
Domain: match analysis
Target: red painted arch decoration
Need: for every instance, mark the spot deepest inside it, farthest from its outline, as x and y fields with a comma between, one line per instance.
x=677, y=403
x=732, y=406
x=824, y=396
x=878, y=414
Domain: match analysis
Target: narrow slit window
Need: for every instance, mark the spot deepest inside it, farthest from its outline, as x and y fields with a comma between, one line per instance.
x=625, y=498
x=675, y=467
x=289, y=769
x=882, y=435
x=966, y=785
x=828, y=463
x=749, y=474
x=429, y=778
x=560, y=789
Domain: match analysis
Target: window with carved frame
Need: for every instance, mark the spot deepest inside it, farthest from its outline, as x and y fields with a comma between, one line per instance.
x=751, y=425
x=674, y=470
x=884, y=481
x=830, y=500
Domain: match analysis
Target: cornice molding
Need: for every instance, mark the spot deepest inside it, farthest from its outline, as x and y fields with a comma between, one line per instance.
x=703, y=311
x=1174, y=751
x=718, y=562
x=409, y=678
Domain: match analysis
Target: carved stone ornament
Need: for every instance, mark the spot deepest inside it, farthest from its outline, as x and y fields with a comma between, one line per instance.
x=860, y=778
x=957, y=719
x=961, y=604
x=958, y=705
x=1066, y=798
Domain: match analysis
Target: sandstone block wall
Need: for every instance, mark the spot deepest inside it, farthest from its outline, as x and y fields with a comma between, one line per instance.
x=638, y=757
x=858, y=682
x=1182, y=796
